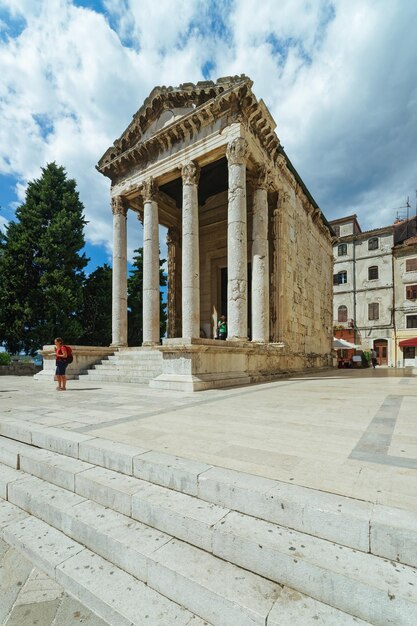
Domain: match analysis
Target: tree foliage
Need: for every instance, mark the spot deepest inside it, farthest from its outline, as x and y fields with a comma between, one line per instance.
x=41, y=266
x=96, y=314
x=135, y=300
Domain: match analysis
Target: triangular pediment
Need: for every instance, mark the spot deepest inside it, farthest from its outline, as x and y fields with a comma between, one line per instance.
x=165, y=105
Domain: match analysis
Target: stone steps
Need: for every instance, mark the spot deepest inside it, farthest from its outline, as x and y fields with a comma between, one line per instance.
x=134, y=365
x=216, y=590
x=224, y=520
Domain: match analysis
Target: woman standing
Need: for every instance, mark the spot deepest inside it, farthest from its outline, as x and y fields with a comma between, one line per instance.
x=61, y=364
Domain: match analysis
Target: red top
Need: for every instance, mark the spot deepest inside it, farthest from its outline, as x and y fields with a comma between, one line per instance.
x=59, y=353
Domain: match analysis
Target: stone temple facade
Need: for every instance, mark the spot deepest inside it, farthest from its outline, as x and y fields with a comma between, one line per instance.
x=245, y=238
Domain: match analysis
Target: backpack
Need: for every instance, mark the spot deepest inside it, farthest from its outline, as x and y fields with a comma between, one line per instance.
x=69, y=358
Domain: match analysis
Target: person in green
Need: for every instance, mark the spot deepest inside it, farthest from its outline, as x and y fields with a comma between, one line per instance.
x=222, y=328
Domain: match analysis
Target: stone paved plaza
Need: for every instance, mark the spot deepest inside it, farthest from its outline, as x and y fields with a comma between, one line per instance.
x=350, y=432
x=98, y=532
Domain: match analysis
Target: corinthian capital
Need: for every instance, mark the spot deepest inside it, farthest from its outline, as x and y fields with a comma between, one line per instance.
x=237, y=151
x=190, y=173
x=260, y=178
x=149, y=189
x=118, y=206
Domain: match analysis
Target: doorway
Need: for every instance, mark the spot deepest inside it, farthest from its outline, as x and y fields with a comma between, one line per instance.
x=381, y=349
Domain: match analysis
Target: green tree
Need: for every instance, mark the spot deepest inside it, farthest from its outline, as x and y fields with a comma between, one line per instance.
x=96, y=314
x=41, y=265
x=135, y=301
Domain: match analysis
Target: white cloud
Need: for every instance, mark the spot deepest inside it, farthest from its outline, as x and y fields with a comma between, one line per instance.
x=340, y=80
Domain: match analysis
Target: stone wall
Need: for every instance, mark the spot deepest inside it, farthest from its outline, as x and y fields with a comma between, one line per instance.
x=19, y=369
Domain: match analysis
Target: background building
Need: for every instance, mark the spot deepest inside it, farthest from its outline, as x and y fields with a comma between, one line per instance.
x=375, y=288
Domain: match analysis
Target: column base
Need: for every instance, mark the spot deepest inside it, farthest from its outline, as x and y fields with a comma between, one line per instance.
x=150, y=344
x=245, y=339
x=118, y=345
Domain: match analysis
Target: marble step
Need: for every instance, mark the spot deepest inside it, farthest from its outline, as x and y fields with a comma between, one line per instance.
x=363, y=585
x=114, y=377
x=114, y=595
x=136, y=370
x=216, y=590
x=387, y=532
x=140, y=357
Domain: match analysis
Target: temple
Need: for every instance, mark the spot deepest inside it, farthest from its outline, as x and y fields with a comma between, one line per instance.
x=245, y=238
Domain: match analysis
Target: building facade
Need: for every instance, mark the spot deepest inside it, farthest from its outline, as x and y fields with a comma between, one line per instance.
x=375, y=288
x=245, y=237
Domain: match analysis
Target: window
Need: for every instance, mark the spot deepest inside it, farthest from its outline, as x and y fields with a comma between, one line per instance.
x=342, y=314
x=373, y=272
x=411, y=265
x=409, y=352
x=340, y=278
x=373, y=311
x=373, y=243
x=411, y=321
x=336, y=230
x=342, y=249
x=411, y=292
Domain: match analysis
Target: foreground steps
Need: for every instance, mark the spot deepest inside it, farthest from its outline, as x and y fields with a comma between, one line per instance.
x=217, y=590
x=373, y=589
x=132, y=365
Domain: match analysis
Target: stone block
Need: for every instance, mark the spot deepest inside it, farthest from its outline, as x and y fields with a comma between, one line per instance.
x=394, y=534
x=59, y=440
x=19, y=430
x=46, y=547
x=10, y=513
x=10, y=451
x=8, y=475
x=117, y=538
x=218, y=592
x=360, y=584
x=295, y=609
x=110, y=454
x=116, y=596
x=109, y=488
x=178, y=514
x=57, y=469
x=235, y=490
x=169, y=471
x=48, y=502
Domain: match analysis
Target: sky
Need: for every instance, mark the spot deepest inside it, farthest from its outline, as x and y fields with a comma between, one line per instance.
x=340, y=79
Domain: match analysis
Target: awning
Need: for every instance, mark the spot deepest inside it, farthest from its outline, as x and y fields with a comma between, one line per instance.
x=342, y=344
x=408, y=343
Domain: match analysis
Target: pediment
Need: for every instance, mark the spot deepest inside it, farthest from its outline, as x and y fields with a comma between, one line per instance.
x=167, y=117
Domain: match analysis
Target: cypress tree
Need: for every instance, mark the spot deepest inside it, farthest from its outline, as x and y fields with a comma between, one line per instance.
x=41, y=265
x=135, y=300
x=96, y=316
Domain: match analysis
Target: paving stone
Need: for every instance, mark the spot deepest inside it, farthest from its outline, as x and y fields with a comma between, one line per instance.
x=178, y=514
x=33, y=614
x=373, y=589
x=45, y=546
x=169, y=471
x=394, y=534
x=39, y=587
x=295, y=609
x=116, y=596
x=72, y=612
x=7, y=476
x=110, y=454
x=217, y=591
x=109, y=488
x=58, y=469
x=59, y=440
x=14, y=571
x=10, y=451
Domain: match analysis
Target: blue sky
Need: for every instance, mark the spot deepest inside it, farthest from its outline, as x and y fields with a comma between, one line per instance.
x=340, y=79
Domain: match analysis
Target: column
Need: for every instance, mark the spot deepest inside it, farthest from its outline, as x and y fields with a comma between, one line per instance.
x=190, y=251
x=260, y=259
x=237, y=272
x=119, y=273
x=173, y=282
x=151, y=298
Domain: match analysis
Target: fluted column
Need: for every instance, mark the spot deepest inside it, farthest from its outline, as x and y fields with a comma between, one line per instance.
x=237, y=272
x=151, y=305
x=260, y=258
x=119, y=273
x=190, y=251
